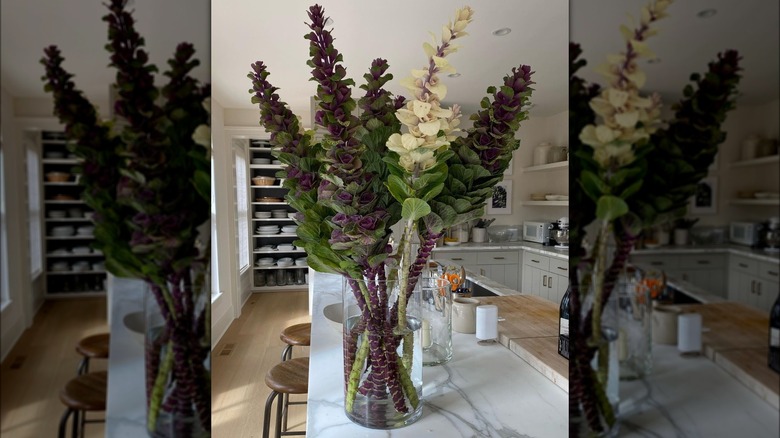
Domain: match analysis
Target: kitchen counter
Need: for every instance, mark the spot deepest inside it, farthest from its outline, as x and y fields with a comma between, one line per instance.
x=537, y=248
x=692, y=397
x=757, y=254
x=483, y=391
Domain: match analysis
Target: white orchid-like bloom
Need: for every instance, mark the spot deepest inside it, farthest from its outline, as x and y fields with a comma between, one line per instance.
x=626, y=116
x=430, y=127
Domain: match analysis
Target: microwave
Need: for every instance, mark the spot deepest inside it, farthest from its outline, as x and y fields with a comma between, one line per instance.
x=534, y=231
x=744, y=233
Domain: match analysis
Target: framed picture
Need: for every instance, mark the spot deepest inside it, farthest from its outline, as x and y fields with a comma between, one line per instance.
x=501, y=202
x=705, y=201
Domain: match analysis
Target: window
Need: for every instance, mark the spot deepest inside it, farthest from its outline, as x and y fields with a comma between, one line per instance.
x=5, y=297
x=34, y=209
x=242, y=208
x=214, y=258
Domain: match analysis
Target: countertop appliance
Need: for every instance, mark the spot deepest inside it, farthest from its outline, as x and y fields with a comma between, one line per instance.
x=770, y=236
x=745, y=233
x=559, y=234
x=536, y=231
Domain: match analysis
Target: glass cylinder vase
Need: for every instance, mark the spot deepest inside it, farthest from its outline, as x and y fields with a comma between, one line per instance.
x=177, y=361
x=436, y=313
x=636, y=326
x=383, y=353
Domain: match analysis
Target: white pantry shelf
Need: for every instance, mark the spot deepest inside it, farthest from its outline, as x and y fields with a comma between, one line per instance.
x=550, y=166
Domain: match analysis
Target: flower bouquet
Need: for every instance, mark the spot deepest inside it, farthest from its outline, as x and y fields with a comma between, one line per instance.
x=398, y=161
x=630, y=172
x=149, y=183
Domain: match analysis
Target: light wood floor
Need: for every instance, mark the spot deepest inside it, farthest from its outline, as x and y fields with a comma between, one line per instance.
x=42, y=362
x=249, y=348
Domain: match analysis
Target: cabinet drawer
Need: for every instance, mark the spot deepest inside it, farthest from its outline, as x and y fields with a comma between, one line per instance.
x=769, y=271
x=498, y=257
x=663, y=262
x=743, y=264
x=461, y=258
x=536, y=260
x=703, y=261
x=560, y=267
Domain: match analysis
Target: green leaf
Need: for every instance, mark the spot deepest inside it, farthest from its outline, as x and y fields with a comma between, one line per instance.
x=398, y=188
x=610, y=208
x=414, y=208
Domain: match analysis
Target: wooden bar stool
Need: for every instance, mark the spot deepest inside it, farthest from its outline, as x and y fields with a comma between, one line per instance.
x=82, y=394
x=288, y=377
x=295, y=335
x=92, y=347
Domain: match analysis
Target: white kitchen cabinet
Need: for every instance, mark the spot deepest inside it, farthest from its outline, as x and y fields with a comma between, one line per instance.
x=543, y=276
x=753, y=282
x=767, y=285
x=500, y=266
x=707, y=271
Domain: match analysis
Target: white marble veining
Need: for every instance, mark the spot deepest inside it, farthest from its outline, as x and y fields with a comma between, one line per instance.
x=757, y=254
x=485, y=391
x=537, y=248
x=693, y=397
x=126, y=398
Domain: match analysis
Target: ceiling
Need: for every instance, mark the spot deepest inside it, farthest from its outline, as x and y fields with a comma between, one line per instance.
x=246, y=31
x=686, y=43
x=77, y=28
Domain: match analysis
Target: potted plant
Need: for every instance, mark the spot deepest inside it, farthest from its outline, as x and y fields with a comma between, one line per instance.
x=148, y=180
x=399, y=161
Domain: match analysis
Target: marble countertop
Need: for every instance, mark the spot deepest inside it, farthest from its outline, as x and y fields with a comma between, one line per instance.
x=537, y=248
x=757, y=254
x=126, y=403
x=484, y=391
x=692, y=397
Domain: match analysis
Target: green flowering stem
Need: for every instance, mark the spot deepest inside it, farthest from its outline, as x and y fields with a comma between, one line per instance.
x=354, y=374
x=406, y=382
x=598, y=290
x=155, y=402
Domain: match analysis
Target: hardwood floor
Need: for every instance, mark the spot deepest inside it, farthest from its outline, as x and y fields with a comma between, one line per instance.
x=42, y=362
x=249, y=348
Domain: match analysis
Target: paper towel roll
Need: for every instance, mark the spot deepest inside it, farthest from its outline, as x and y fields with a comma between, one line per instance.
x=689, y=333
x=487, y=322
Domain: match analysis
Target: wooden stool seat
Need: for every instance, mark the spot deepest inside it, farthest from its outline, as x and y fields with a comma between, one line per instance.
x=289, y=377
x=95, y=346
x=82, y=394
x=298, y=334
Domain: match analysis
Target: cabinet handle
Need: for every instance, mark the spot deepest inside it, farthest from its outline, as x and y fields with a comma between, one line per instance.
x=772, y=273
x=703, y=262
x=562, y=269
x=544, y=281
x=657, y=263
x=685, y=277
x=481, y=271
x=498, y=258
x=742, y=265
x=535, y=261
x=549, y=283
x=456, y=258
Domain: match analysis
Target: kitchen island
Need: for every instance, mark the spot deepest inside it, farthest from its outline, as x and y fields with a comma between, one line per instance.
x=483, y=391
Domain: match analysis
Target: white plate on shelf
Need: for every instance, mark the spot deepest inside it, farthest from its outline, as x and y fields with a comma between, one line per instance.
x=767, y=195
x=556, y=197
x=452, y=243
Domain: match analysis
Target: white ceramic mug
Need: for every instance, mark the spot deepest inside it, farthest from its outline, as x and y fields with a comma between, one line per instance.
x=464, y=315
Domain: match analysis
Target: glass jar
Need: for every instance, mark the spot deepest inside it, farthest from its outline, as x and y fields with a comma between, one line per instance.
x=436, y=313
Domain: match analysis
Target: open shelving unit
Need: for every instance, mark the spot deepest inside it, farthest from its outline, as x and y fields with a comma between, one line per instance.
x=72, y=267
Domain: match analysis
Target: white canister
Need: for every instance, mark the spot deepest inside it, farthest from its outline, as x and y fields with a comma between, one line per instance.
x=689, y=333
x=464, y=315
x=680, y=236
x=478, y=235
x=487, y=322
x=542, y=154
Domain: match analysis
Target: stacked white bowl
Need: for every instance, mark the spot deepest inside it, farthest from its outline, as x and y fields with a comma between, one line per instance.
x=63, y=231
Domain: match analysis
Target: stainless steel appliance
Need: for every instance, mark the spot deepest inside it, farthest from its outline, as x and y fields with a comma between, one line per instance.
x=559, y=233
x=536, y=231
x=770, y=237
x=745, y=233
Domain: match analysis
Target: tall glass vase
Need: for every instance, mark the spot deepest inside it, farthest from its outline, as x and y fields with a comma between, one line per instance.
x=382, y=353
x=436, y=312
x=178, y=375
x=636, y=326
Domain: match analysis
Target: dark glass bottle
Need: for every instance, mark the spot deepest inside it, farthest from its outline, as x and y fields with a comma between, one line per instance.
x=563, y=326
x=774, y=336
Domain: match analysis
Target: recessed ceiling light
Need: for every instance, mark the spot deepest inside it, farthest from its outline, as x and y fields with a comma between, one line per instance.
x=454, y=75
x=502, y=32
x=329, y=22
x=706, y=13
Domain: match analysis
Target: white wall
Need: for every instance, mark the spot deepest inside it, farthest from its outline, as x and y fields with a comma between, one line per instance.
x=745, y=120
x=555, y=130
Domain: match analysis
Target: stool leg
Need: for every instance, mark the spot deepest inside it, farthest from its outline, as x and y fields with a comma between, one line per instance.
x=75, y=425
x=267, y=413
x=287, y=353
x=64, y=422
x=279, y=418
x=83, y=366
